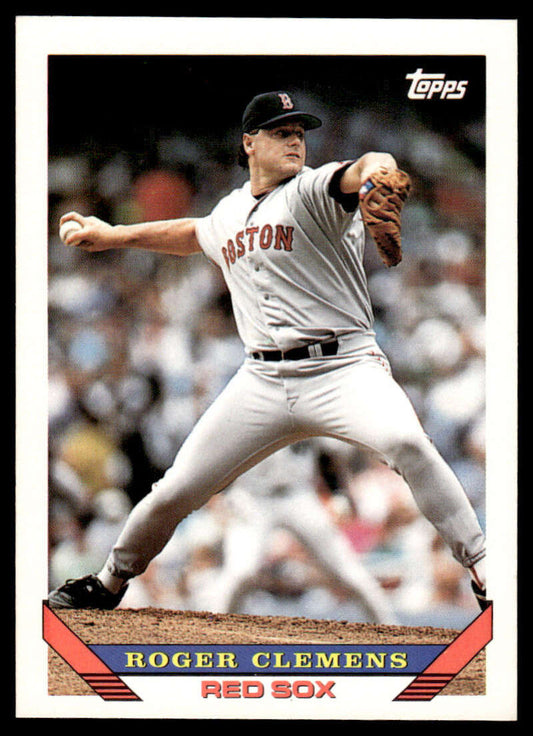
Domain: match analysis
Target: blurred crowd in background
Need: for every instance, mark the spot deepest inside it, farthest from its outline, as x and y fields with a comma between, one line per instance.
x=140, y=344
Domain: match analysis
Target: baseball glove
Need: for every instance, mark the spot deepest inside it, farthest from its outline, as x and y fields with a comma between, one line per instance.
x=381, y=199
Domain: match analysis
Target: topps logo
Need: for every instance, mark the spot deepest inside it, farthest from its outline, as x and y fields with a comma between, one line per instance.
x=429, y=86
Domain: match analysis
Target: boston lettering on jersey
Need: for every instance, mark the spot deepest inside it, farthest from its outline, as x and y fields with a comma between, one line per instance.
x=278, y=237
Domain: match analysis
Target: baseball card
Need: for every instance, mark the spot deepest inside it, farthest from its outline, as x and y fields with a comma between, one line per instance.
x=266, y=362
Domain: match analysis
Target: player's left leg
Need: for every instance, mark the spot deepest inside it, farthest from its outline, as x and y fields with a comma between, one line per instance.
x=362, y=403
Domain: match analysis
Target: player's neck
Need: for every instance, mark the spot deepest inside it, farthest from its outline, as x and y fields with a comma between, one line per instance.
x=260, y=186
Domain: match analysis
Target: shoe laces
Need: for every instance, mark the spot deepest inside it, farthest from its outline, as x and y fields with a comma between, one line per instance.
x=87, y=583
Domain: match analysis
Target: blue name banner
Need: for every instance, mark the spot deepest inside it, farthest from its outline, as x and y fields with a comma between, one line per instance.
x=147, y=659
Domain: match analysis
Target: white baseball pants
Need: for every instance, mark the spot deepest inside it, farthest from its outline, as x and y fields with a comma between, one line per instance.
x=267, y=405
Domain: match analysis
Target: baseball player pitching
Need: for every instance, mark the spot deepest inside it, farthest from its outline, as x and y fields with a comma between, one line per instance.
x=290, y=245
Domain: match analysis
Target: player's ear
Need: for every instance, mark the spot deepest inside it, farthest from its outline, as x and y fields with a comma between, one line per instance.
x=247, y=142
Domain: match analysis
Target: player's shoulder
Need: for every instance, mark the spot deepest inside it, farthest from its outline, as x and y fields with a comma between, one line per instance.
x=318, y=180
x=239, y=191
x=327, y=166
x=325, y=170
x=233, y=198
x=322, y=185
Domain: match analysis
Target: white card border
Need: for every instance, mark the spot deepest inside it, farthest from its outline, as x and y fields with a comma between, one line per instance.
x=38, y=36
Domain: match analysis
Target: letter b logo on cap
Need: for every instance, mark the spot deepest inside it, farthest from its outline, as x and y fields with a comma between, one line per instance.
x=286, y=101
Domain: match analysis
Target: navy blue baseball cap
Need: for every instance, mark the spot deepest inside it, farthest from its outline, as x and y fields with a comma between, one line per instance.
x=275, y=108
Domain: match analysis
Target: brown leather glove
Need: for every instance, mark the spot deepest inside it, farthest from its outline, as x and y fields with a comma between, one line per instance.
x=381, y=199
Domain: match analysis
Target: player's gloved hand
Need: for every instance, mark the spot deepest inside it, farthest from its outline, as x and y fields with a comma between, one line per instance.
x=381, y=199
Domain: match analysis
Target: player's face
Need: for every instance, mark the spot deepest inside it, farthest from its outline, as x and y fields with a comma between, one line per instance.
x=278, y=152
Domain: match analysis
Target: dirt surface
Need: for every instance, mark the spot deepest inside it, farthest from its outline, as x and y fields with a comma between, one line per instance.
x=157, y=626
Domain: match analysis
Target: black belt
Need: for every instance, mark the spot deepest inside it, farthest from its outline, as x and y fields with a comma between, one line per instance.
x=316, y=350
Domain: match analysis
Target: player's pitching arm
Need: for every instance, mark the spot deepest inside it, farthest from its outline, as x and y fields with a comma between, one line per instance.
x=173, y=237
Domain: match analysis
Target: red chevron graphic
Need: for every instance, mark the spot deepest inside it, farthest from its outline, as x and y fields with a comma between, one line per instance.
x=85, y=662
x=451, y=660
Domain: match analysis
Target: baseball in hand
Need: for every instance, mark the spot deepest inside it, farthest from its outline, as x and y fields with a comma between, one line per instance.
x=68, y=227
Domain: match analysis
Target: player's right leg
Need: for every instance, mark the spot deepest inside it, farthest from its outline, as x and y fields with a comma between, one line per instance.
x=248, y=421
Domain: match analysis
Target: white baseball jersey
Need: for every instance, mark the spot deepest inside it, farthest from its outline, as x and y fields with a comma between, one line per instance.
x=292, y=260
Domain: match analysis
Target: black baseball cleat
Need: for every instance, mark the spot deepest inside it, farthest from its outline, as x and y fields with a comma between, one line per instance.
x=481, y=595
x=85, y=592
